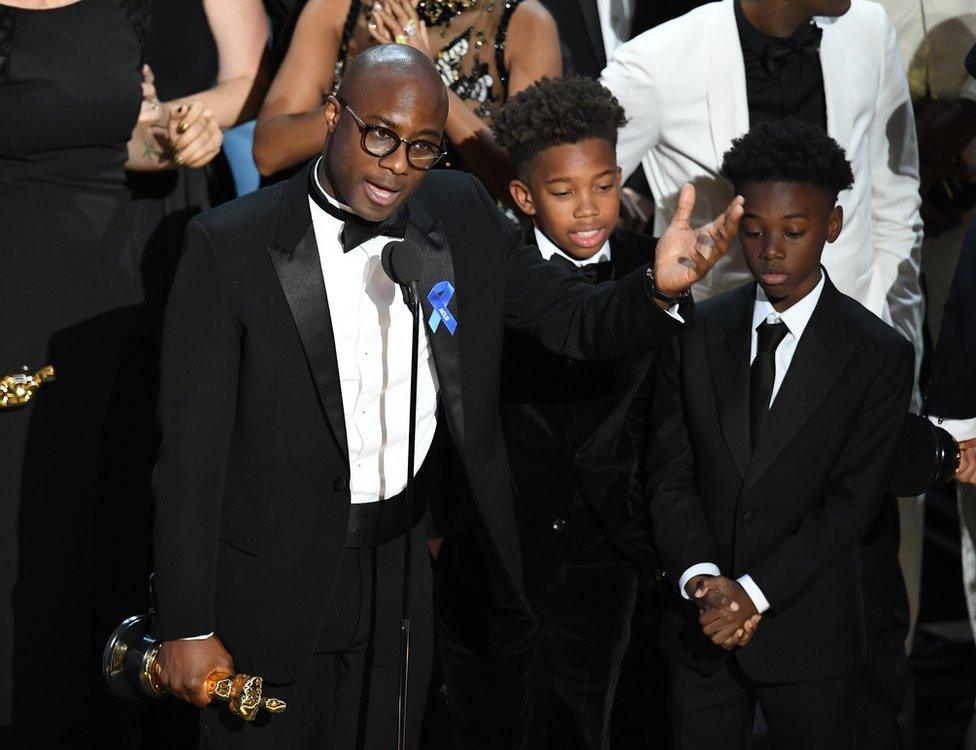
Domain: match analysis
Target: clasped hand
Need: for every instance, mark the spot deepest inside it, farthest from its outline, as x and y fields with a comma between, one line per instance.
x=728, y=616
x=183, y=134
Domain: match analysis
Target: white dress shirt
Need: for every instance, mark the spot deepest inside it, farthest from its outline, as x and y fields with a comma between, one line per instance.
x=371, y=326
x=796, y=319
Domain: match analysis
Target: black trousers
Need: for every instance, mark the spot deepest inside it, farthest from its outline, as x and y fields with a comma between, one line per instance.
x=516, y=683
x=718, y=711
x=346, y=699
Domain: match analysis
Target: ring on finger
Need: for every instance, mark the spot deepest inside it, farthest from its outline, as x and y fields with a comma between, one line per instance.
x=410, y=27
x=400, y=39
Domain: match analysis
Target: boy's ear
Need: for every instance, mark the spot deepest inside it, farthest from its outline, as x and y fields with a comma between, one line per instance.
x=620, y=177
x=835, y=222
x=522, y=197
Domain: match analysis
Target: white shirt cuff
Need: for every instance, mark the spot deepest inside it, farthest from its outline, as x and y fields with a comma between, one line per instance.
x=960, y=429
x=198, y=637
x=673, y=312
x=701, y=569
x=754, y=592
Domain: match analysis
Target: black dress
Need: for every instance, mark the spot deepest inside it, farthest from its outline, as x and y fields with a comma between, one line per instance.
x=182, y=53
x=74, y=476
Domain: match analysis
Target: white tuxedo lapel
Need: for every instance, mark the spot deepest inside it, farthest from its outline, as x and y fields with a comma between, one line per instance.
x=837, y=81
x=725, y=79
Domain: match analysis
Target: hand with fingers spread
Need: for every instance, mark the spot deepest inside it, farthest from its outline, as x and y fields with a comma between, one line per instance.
x=685, y=254
x=397, y=21
x=728, y=615
x=194, y=136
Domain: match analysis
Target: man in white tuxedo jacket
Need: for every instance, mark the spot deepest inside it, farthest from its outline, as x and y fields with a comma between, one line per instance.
x=684, y=86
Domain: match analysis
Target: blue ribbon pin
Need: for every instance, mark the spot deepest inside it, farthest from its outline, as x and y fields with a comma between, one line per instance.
x=439, y=295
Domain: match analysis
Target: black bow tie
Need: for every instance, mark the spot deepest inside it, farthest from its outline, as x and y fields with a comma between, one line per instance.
x=805, y=41
x=594, y=272
x=355, y=229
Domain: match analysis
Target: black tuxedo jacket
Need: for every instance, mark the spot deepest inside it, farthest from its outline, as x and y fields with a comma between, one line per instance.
x=791, y=514
x=573, y=431
x=952, y=391
x=252, y=477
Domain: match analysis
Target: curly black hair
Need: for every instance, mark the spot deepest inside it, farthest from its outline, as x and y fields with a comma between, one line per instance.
x=554, y=111
x=788, y=150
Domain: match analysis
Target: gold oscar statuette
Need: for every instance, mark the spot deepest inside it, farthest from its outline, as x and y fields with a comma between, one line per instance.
x=18, y=388
x=130, y=668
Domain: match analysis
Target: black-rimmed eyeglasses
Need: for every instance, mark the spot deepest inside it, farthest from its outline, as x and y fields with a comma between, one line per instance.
x=380, y=141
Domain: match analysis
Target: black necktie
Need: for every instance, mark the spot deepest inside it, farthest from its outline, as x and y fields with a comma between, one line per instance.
x=763, y=375
x=594, y=272
x=355, y=229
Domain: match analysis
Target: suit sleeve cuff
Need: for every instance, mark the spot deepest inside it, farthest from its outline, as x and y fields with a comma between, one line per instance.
x=960, y=429
x=197, y=637
x=754, y=592
x=701, y=569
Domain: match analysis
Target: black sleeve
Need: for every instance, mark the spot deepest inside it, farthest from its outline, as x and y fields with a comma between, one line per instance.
x=952, y=393
x=680, y=526
x=199, y=365
x=853, y=491
x=571, y=317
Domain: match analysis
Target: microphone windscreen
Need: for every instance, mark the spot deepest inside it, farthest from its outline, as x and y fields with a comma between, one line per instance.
x=403, y=261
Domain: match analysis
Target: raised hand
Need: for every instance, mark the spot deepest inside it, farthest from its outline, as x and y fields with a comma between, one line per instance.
x=685, y=254
x=397, y=21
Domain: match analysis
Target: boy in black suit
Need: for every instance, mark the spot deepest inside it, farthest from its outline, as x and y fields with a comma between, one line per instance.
x=774, y=420
x=572, y=448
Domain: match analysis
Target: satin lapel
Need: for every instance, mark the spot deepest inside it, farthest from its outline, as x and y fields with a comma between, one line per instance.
x=591, y=22
x=725, y=79
x=445, y=348
x=817, y=363
x=296, y=260
x=728, y=344
x=837, y=86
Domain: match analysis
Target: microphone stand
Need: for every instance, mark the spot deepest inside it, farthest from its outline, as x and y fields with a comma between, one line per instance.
x=412, y=297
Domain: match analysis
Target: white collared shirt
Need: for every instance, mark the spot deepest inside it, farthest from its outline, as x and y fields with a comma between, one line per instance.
x=548, y=248
x=371, y=325
x=796, y=319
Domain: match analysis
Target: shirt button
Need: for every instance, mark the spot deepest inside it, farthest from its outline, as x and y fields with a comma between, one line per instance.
x=558, y=524
x=749, y=516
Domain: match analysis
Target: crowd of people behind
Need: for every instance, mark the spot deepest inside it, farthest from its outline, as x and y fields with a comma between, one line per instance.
x=684, y=492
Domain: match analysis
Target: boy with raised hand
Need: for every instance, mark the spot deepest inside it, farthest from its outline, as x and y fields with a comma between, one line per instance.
x=571, y=428
x=774, y=420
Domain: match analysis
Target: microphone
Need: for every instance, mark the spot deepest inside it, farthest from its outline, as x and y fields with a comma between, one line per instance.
x=403, y=262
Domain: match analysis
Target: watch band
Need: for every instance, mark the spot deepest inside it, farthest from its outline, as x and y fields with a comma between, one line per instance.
x=658, y=294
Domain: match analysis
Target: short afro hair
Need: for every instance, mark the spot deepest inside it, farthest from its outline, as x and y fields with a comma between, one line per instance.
x=554, y=111
x=788, y=150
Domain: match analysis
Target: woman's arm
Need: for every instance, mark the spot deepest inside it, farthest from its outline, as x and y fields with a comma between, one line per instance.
x=291, y=123
x=531, y=52
x=240, y=29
